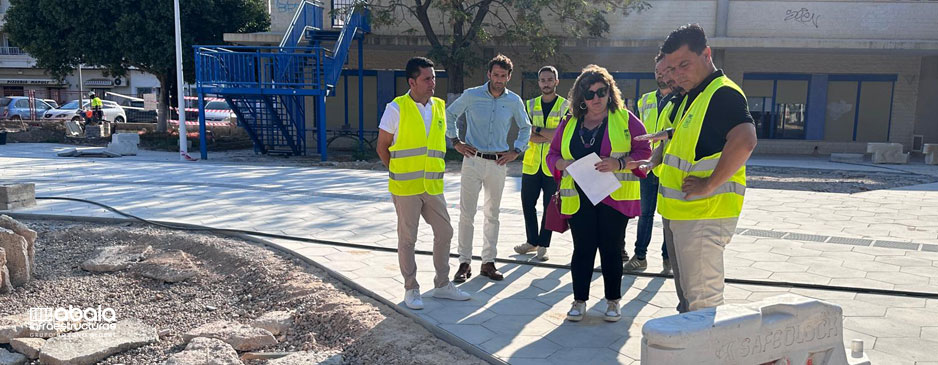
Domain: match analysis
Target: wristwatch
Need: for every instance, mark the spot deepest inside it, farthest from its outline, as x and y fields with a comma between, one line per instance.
x=670, y=132
x=537, y=129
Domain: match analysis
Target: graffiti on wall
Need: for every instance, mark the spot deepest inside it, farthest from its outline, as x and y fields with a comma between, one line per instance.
x=803, y=16
x=287, y=6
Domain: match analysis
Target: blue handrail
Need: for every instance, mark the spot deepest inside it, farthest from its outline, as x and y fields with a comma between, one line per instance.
x=310, y=13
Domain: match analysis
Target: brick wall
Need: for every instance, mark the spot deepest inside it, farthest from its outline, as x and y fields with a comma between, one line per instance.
x=834, y=19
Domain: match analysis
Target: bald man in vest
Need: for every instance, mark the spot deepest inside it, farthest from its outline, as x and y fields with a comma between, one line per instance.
x=412, y=143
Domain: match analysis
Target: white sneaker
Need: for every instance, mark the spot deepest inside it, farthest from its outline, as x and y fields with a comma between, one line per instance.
x=525, y=248
x=412, y=299
x=541, y=254
x=577, y=311
x=451, y=292
x=613, y=312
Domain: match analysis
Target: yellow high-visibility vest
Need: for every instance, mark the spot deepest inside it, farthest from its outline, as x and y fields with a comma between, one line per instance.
x=680, y=161
x=535, y=158
x=417, y=156
x=621, y=141
x=664, y=121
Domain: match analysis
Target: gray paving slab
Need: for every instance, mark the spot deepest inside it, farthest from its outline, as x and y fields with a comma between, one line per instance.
x=879, y=239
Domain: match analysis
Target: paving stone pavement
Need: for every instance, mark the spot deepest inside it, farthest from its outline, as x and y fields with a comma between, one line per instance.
x=883, y=239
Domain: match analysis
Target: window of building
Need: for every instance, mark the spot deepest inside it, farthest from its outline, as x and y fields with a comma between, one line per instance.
x=859, y=108
x=778, y=104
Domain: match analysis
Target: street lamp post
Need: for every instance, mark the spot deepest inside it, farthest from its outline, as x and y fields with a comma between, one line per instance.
x=180, y=94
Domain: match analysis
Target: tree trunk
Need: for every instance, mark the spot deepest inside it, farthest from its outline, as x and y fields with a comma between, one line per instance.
x=163, y=110
x=455, y=75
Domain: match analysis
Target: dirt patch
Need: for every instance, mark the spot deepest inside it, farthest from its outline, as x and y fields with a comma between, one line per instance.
x=829, y=181
x=238, y=281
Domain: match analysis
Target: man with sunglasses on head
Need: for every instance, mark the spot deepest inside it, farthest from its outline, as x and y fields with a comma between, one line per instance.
x=702, y=175
x=489, y=112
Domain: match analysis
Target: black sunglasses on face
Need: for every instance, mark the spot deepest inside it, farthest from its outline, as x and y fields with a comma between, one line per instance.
x=589, y=94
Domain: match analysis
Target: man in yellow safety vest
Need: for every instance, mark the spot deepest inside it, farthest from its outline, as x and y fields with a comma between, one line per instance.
x=702, y=175
x=545, y=112
x=412, y=143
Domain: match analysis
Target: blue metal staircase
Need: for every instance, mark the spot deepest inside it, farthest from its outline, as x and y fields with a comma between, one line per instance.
x=267, y=87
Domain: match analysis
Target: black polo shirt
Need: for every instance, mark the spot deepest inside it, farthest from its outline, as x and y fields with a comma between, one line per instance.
x=728, y=108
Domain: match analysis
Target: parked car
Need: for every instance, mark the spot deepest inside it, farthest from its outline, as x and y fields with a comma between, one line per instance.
x=216, y=111
x=136, y=113
x=112, y=111
x=54, y=104
x=17, y=108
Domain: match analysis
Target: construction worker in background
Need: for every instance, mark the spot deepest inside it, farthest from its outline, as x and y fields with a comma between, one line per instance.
x=96, y=112
x=545, y=112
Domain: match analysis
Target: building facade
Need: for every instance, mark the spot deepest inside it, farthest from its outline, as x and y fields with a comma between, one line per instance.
x=821, y=76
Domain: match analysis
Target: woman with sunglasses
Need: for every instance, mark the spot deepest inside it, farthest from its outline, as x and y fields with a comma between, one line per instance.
x=599, y=124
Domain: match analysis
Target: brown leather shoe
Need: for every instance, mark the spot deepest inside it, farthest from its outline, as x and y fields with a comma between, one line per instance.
x=464, y=272
x=488, y=269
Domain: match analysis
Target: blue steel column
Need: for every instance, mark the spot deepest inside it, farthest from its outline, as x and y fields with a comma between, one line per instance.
x=203, y=148
x=361, y=97
x=321, y=118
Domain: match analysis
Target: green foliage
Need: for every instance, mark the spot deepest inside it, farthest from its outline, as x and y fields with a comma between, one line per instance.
x=120, y=34
x=455, y=39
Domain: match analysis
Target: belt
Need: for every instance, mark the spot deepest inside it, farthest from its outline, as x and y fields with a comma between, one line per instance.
x=489, y=156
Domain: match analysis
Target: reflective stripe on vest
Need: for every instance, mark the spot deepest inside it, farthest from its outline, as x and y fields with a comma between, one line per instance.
x=621, y=142
x=535, y=157
x=679, y=162
x=664, y=120
x=417, y=165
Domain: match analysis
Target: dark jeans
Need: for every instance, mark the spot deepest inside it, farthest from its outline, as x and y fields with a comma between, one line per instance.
x=597, y=227
x=533, y=186
x=646, y=221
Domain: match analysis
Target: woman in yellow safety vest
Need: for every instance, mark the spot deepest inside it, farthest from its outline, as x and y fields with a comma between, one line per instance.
x=600, y=124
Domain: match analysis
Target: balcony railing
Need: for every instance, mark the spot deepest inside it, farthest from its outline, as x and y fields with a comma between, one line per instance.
x=11, y=51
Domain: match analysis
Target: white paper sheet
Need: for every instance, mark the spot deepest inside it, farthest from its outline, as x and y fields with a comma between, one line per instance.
x=596, y=185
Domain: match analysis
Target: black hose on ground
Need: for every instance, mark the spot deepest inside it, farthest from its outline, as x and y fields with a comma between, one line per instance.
x=781, y=284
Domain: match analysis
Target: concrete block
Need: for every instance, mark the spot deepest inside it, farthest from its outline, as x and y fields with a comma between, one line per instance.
x=122, y=148
x=931, y=153
x=132, y=138
x=887, y=153
x=847, y=157
x=790, y=328
x=16, y=196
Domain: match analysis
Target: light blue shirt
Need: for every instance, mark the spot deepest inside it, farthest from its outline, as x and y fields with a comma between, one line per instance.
x=488, y=119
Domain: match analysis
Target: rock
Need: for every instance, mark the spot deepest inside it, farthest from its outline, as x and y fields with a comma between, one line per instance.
x=172, y=267
x=28, y=346
x=309, y=357
x=17, y=254
x=116, y=258
x=11, y=358
x=276, y=322
x=202, y=351
x=22, y=230
x=14, y=326
x=241, y=337
x=91, y=346
x=5, y=285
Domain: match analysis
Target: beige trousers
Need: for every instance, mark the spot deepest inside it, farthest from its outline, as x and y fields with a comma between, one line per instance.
x=696, y=255
x=433, y=209
x=479, y=173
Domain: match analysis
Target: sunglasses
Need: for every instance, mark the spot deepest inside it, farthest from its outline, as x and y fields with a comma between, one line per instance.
x=590, y=94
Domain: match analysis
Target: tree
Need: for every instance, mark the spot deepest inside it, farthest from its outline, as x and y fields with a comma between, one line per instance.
x=474, y=23
x=120, y=34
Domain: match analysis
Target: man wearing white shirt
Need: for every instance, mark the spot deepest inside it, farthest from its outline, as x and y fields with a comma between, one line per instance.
x=412, y=143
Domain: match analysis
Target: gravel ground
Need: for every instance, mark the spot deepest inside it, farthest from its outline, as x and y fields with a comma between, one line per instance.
x=239, y=281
